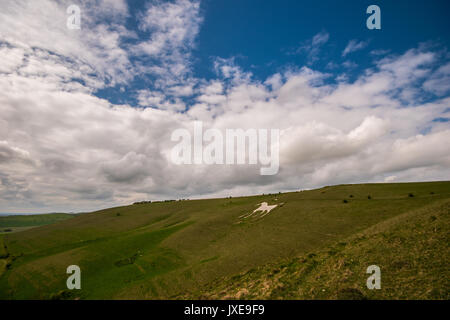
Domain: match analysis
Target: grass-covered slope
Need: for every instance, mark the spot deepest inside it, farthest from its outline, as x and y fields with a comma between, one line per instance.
x=181, y=248
x=14, y=223
x=412, y=251
x=3, y=256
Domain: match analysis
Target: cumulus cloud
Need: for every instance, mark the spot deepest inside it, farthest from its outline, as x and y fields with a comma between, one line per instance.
x=172, y=29
x=93, y=53
x=157, y=99
x=439, y=82
x=64, y=148
x=10, y=154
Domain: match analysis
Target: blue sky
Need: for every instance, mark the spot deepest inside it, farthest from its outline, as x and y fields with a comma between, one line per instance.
x=264, y=37
x=87, y=115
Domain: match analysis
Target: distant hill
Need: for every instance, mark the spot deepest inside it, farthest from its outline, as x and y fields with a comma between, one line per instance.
x=32, y=220
x=313, y=244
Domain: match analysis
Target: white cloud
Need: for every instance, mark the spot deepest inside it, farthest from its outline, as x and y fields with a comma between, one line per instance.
x=320, y=39
x=11, y=59
x=354, y=45
x=172, y=28
x=379, y=52
x=313, y=46
x=63, y=148
x=94, y=51
x=156, y=99
x=411, y=66
x=390, y=178
x=439, y=82
x=349, y=64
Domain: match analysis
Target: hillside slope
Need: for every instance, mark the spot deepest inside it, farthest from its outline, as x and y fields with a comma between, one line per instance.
x=166, y=249
x=14, y=223
x=412, y=251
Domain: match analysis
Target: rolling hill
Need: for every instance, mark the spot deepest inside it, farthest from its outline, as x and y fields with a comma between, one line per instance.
x=314, y=244
x=14, y=223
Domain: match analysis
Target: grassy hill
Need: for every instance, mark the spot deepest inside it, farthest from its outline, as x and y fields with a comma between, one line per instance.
x=13, y=223
x=412, y=250
x=314, y=244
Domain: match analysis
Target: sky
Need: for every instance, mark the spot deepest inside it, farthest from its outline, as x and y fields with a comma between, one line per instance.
x=86, y=115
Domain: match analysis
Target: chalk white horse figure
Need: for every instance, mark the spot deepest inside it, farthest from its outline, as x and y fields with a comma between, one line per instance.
x=263, y=207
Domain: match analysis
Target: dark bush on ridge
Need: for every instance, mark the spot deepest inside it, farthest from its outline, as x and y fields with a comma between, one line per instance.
x=142, y=202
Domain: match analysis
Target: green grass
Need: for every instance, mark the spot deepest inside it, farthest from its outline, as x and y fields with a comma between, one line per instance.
x=3, y=256
x=184, y=249
x=411, y=250
x=3, y=252
x=9, y=230
x=31, y=220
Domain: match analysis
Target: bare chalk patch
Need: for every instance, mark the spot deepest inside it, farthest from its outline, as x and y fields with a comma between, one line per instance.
x=260, y=212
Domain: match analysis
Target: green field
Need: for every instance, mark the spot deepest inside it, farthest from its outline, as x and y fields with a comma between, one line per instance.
x=14, y=223
x=315, y=244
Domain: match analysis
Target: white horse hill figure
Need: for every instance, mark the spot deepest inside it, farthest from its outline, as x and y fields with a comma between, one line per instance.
x=259, y=212
x=264, y=207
